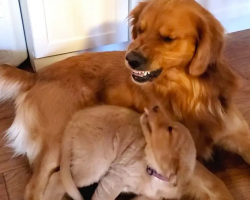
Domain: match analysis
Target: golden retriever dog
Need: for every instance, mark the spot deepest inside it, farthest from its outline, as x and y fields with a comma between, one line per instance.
x=175, y=56
x=150, y=155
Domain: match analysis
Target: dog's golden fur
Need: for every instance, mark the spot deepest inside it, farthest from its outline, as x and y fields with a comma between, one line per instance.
x=196, y=86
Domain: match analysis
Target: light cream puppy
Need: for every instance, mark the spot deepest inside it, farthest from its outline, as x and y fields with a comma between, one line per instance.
x=107, y=144
x=149, y=155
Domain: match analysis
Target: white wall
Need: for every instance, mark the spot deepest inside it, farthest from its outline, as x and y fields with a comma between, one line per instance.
x=233, y=14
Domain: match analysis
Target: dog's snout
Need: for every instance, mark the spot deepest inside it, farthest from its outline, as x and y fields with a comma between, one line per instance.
x=135, y=59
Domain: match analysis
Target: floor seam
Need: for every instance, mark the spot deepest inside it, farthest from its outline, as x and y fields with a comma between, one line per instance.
x=6, y=186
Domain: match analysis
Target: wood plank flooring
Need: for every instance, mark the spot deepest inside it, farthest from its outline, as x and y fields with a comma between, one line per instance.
x=14, y=172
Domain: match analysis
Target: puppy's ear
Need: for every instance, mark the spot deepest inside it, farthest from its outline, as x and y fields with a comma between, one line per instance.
x=145, y=125
x=209, y=43
x=134, y=17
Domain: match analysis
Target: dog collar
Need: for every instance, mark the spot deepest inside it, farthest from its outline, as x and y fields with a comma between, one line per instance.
x=153, y=172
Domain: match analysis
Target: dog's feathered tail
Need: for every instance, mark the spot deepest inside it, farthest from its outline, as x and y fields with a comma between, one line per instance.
x=14, y=81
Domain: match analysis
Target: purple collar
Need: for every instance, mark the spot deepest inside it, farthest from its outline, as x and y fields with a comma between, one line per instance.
x=153, y=172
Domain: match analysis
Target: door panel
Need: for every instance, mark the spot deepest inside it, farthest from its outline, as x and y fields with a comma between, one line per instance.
x=62, y=26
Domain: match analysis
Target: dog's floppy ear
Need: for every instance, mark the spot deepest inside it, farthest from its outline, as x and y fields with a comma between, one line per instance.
x=134, y=17
x=209, y=44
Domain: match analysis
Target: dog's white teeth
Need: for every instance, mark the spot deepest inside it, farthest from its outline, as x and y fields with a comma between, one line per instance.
x=136, y=72
x=141, y=73
x=146, y=73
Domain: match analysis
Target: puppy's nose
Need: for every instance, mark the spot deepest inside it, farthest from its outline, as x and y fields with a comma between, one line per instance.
x=135, y=59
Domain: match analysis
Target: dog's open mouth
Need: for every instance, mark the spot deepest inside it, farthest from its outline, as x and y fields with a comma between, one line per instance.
x=144, y=76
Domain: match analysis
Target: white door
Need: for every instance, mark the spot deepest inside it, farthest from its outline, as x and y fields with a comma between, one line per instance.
x=63, y=26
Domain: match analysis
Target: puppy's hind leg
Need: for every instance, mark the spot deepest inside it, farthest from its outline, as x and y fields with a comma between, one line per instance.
x=88, y=172
x=109, y=187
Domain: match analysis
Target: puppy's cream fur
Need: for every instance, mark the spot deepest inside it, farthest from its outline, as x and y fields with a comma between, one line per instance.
x=106, y=143
x=114, y=145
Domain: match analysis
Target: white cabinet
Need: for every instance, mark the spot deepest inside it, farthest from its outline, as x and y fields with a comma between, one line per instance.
x=56, y=27
x=12, y=41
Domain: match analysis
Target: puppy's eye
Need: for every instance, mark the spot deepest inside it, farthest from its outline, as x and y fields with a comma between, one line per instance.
x=167, y=38
x=156, y=109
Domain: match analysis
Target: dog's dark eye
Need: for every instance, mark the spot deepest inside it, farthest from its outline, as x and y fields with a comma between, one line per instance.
x=170, y=128
x=167, y=39
x=139, y=30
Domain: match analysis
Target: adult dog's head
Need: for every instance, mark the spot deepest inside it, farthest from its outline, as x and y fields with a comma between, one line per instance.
x=172, y=34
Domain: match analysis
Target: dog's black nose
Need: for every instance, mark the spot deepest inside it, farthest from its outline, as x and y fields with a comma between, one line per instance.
x=135, y=59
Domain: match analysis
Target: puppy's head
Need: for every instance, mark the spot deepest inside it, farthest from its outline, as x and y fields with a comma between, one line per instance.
x=170, y=34
x=170, y=149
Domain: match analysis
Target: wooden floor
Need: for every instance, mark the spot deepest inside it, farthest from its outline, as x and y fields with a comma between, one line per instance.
x=14, y=172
